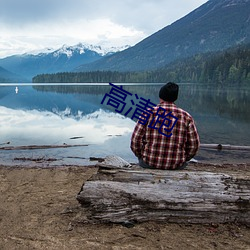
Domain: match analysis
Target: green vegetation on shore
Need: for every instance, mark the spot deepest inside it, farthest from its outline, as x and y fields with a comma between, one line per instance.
x=231, y=66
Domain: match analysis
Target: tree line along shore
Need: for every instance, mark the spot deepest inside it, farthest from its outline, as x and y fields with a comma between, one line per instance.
x=231, y=66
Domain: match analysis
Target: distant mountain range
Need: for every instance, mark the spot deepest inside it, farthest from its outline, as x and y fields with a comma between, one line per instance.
x=227, y=67
x=216, y=25
x=64, y=59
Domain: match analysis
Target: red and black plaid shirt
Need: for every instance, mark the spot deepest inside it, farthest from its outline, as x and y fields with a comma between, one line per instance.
x=162, y=152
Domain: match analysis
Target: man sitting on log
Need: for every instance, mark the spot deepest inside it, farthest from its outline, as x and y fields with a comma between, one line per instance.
x=168, y=138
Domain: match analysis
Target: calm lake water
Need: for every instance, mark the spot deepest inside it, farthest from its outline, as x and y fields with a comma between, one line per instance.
x=73, y=114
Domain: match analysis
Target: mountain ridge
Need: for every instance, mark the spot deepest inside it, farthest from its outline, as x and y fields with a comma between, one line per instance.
x=215, y=25
x=228, y=67
x=65, y=58
x=9, y=77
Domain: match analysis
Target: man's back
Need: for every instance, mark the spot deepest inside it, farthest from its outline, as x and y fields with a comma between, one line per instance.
x=168, y=139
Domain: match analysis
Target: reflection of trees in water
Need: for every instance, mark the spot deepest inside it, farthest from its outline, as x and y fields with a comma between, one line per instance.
x=72, y=89
x=231, y=102
x=96, y=89
x=194, y=98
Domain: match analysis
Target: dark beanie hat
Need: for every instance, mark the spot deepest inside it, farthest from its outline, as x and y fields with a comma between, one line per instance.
x=169, y=92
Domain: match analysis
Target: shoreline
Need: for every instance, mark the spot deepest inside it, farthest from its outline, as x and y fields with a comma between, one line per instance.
x=39, y=210
x=194, y=166
x=57, y=157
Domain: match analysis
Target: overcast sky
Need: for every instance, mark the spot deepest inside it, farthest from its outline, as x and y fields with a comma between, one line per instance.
x=27, y=25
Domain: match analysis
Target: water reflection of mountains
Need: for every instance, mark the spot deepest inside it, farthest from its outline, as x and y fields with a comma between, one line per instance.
x=223, y=101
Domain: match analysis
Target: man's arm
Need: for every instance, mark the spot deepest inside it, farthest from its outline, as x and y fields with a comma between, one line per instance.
x=193, y=141
x=137, y=139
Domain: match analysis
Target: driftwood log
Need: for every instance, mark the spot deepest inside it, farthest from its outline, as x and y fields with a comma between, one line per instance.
x=30, y=147
x=224, y=147
x=136, y=195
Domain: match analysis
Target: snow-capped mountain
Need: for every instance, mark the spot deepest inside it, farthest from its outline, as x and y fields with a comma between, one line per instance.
x=81, y=48
x=64, y=59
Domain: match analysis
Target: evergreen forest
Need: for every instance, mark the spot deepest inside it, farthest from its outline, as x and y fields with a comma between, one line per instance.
x=231, y=66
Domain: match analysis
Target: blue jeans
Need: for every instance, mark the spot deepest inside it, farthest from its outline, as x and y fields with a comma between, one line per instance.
x=145, y=165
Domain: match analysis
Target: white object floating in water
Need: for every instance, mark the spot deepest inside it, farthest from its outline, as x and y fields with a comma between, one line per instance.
x=16, y=90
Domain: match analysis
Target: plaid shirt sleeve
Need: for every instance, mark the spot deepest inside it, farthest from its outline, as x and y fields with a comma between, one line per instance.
x=193, y=141
x=137, y=139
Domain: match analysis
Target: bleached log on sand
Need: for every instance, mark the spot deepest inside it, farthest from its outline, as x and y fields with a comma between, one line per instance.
x=120, y=195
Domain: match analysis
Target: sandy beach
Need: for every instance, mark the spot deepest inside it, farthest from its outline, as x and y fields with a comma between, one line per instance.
x=38, y=210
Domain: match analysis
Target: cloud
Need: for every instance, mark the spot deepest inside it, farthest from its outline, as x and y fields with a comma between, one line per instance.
x=33, y=127
x=141, y=14
x=38, y=36
x=31, y=24
x=22, y=12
